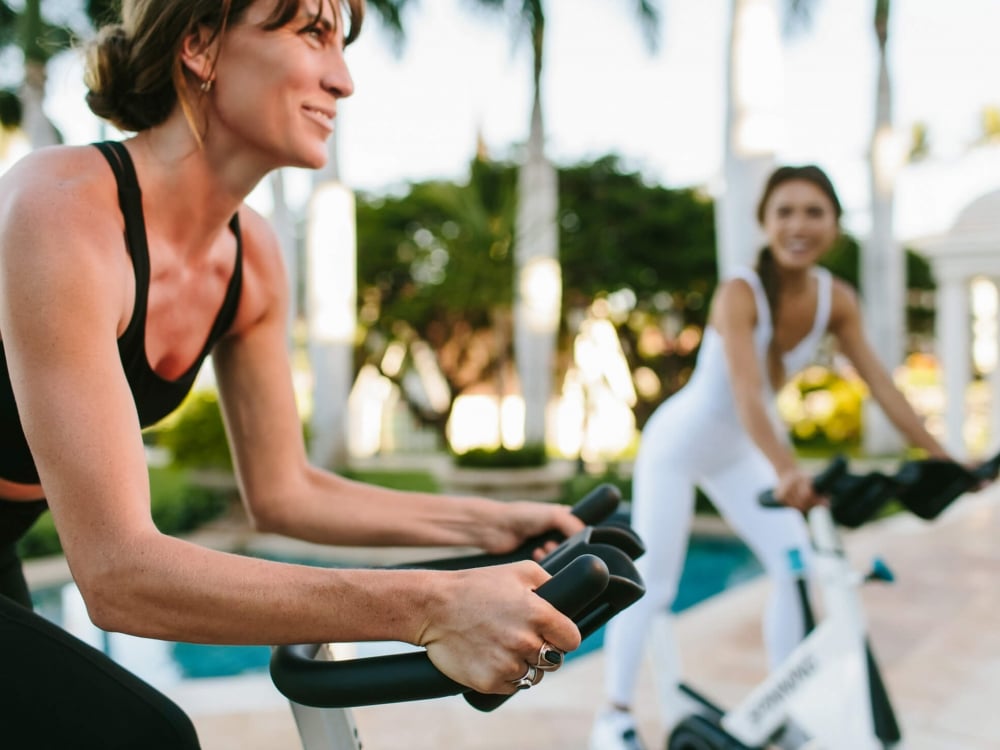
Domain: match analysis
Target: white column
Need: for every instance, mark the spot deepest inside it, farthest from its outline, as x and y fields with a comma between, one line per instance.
x=994, y=442
x=754, y=100
x=953, y=334
x=538, y=281
x=331, y=297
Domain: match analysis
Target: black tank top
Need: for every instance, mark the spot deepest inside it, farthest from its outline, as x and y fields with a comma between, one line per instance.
x=155, y=397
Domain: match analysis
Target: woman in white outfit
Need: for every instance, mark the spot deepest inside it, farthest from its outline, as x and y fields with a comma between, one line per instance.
x=721, y=431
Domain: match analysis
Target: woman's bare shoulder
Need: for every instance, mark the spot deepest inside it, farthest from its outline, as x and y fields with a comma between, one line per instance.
x=733, y=301
x=56, y=186
x=59, y=207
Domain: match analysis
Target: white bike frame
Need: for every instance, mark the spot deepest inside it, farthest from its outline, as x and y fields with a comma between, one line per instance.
x=823, y=687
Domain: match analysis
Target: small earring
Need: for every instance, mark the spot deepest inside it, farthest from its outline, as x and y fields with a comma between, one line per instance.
x=206, y=85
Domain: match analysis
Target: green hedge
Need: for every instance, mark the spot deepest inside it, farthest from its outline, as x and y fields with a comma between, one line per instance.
x=502, y=458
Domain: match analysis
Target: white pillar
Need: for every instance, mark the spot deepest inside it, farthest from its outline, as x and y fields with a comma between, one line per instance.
x=754, y=99
x=331, y=298
x=994, y=441
x=538, y=283
x=952, y=334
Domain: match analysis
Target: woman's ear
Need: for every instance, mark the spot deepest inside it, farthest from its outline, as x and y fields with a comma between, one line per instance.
x=198, y=53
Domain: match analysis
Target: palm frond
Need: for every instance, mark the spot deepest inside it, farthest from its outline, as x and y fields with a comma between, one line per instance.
x=102, y=12
x=798, y=15
x=390, y=15
x=649, y=19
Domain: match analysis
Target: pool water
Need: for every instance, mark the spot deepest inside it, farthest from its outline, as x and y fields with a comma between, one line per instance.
x=712, y=565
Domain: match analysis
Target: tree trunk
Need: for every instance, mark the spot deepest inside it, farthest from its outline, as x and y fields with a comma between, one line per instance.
x=37, y=127
x=538, y=280
x=331, y=297
x=883, y=271
x=754, y=89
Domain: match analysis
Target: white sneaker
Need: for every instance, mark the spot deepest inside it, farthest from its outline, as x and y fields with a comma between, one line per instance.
x=614, y=730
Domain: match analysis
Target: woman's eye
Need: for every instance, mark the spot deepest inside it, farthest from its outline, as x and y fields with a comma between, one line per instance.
x=318, y=33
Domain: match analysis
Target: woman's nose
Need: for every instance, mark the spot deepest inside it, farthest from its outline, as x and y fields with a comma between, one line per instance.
x=338, y=80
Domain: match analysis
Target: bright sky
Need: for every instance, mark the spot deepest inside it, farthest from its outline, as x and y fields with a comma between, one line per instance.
x=417, y=116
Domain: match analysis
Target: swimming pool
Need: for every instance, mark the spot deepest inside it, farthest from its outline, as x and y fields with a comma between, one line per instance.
x=713, y=564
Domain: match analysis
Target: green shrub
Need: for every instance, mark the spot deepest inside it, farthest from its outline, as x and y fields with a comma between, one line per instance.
x=412, y=481
x=195, y=435
x=577, y=486
x=502, y=458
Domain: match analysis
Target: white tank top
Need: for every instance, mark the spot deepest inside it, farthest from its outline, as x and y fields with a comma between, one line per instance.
x=711, y=378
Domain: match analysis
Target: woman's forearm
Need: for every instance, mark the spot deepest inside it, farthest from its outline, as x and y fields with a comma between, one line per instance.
x=328, y=509
x=166, y=588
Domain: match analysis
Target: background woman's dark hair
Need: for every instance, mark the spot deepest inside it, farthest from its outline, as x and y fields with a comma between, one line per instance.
x=765, y=267
x=134, y=73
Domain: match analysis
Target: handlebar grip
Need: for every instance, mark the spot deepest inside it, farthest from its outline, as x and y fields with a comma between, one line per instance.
x=598, y=504
x=409, y=677
x=988, y=470
x=823, y=483
x=767, y=500
x=593, y=576
x=594, y=507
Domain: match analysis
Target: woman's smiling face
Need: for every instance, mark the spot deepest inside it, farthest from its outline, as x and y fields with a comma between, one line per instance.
x=276, y=90
x=800, y=222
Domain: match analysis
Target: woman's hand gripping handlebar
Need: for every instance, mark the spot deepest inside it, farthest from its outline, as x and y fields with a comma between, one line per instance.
x=925, y=487
x=594, y=508
x=592, y=580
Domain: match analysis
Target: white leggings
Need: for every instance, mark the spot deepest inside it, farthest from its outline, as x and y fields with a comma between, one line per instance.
x=678, y=452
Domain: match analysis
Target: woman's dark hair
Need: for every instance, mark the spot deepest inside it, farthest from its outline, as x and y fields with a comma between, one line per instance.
x=134, y=73
x=766, y=270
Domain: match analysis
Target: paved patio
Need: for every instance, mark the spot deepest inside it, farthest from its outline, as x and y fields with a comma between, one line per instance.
x=936, y=632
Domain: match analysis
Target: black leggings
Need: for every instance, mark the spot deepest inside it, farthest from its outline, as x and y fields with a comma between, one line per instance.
x=58, y=693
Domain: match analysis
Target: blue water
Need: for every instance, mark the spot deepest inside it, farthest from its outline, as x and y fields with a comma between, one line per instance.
x=712, y=565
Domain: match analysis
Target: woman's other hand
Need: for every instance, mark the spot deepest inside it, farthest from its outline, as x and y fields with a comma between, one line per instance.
x=521, y=520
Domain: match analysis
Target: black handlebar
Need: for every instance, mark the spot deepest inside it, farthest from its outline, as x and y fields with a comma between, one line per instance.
x=593, y=579
x=410, y=677
x=596, y=506
x=925, y=487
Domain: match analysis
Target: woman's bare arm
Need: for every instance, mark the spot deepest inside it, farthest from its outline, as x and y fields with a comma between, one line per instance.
x=734, y=316
x=845, y=324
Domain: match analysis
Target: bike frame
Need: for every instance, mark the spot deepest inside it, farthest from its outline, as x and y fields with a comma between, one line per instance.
x=823, y=688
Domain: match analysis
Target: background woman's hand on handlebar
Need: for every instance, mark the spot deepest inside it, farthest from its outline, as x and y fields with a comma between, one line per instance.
x=484, y=626
x=795, y=489
x=522, y=520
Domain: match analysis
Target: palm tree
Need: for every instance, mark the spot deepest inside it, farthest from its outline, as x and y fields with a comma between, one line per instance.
x=331, y=292
x=753, y=91
x=538, y=285
x=38, y=41
x=882, y=276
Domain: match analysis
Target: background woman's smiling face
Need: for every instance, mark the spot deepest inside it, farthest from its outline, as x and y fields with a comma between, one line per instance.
x=800, y=223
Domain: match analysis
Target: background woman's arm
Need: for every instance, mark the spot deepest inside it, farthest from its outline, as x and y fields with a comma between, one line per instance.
x=845, y=324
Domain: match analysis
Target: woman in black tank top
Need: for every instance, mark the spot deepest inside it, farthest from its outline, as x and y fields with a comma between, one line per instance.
x=121, y=268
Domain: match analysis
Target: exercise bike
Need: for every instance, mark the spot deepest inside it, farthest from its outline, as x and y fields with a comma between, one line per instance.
x=593, y=579
x=828, y=693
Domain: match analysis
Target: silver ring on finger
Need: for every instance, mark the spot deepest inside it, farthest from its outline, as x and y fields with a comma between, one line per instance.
x=549, y=657
x=530, y=677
